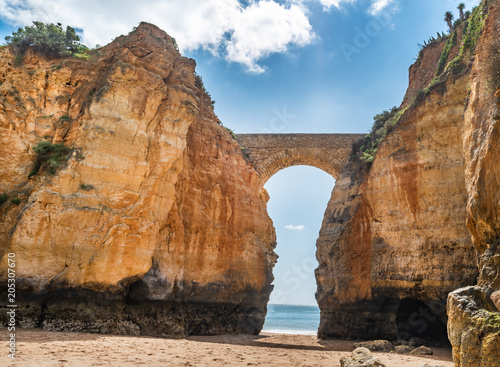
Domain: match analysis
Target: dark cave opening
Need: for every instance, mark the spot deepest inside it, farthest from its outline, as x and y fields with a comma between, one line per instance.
x=417, y=320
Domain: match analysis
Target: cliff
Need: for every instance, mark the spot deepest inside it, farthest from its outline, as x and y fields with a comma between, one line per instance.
x=156, y=224
x=474, y=326
x=144, y=216
x=396, y=235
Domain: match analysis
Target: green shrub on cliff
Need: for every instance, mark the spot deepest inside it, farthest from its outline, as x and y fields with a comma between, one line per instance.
x=49, y=157
x=231, y=132
x=3, y=198
x=47, y=39
x=472, y=31
x=365, y=148
x=427, y=43
x=198, y=83
x=174, y=42
x=474, y=27
x=452, y=41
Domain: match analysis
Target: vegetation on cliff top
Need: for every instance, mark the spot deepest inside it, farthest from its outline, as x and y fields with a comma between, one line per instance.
x=198, y=82
x=474, y=27
x=47, y=39
x=472, y=30
x=450, y=43
x=366, y=148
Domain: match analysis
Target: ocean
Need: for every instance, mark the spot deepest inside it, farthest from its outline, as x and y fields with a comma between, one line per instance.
x=292, y=319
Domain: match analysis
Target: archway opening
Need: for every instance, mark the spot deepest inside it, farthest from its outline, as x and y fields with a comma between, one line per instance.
x=417, y=320
x=298, y=199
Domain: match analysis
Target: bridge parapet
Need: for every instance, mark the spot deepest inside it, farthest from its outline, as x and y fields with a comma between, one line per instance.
x=271, y=153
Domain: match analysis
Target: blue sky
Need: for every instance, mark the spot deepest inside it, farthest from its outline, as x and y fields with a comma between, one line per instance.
x=283, y=66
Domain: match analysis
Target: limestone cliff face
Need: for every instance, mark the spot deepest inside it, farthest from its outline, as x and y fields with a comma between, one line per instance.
x=394, y=239
x=398, y=231
x=396, y=236
x=474, y=326
x=424, y=69
x=156, y=216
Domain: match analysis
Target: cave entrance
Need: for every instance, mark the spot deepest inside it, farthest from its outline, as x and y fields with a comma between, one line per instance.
x=298, y=199
x=417, y=320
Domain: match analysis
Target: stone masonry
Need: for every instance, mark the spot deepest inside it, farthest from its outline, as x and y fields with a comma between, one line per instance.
x=271, y=153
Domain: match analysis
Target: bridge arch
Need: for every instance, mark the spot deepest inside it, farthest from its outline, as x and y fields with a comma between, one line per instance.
x=295, y=157
x=270, y=153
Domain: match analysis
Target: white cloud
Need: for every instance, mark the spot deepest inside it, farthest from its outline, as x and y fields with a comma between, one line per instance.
x=241, y=34
x=329, y=3
x=266, y=27
x=379, y=5
x=376, y=6
x=295, y=228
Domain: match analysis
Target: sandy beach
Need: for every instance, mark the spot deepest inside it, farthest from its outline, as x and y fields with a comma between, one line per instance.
x=42, y=348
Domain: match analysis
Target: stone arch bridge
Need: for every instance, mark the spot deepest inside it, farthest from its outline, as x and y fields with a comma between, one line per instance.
x=271, y=153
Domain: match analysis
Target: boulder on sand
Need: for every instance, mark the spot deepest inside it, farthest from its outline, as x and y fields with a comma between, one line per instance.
x=422, y=351
x=403, y=349
x=361, y=357
x=376, y=345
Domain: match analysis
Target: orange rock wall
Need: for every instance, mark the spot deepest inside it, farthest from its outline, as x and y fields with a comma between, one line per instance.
x=395, y=231
x=156, y=204
x=474, y=319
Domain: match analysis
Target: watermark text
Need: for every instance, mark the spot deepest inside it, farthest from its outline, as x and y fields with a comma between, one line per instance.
x=11, y=305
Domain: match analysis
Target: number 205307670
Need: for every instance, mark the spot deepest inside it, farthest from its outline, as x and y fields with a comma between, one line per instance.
x=11, y=280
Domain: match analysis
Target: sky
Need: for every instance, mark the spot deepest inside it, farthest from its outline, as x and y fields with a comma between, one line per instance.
x=276, y=66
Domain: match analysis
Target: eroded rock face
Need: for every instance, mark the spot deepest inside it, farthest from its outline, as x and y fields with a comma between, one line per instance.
x=482, y=152
x=495, y=297
x=157, y=224
x=424, y=69
x=474, y=325
x=397, y=231
x=396, y=235
x=473, y=328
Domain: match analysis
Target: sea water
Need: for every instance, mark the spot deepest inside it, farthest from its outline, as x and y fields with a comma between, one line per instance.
x=292, y=319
